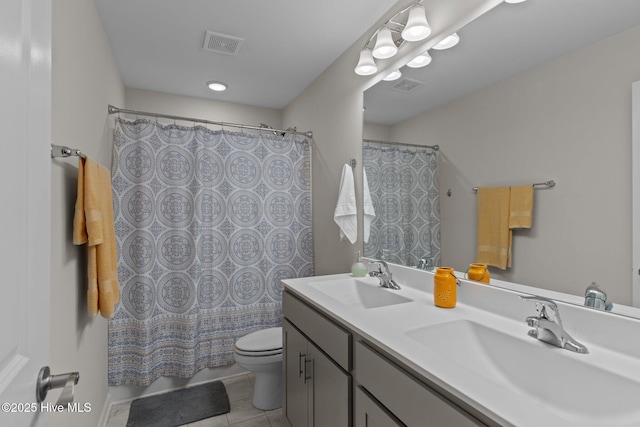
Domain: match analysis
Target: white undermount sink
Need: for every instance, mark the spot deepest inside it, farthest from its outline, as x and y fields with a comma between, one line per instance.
x=560, y=380
x=362, y=292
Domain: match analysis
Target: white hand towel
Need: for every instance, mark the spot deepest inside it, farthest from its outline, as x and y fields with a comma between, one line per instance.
x=367, y=207
x=346, y=213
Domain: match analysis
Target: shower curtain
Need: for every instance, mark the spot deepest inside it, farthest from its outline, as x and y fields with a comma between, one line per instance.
x=403, y=183
x=207, y=224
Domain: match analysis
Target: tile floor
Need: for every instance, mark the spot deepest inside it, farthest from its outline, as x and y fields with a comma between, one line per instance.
x=243, y=414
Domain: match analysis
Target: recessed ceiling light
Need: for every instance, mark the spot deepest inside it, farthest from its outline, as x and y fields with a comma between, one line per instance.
x=217, y=86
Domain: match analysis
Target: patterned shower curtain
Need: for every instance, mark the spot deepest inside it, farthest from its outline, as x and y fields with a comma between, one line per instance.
x=403, y=183
x=207, y=224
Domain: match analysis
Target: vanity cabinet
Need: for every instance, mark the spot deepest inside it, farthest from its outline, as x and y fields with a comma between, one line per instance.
x=411, y=401
x=317, y=360
x=335, y=378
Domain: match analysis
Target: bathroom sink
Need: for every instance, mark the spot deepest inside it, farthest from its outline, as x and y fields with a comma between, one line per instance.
x=561, y=381
x=363, y=292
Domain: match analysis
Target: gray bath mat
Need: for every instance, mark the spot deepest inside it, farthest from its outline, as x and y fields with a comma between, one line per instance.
x=180, y=407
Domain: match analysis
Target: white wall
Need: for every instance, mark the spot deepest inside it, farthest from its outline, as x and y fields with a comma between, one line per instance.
x=374, y=131
x=568, y=120
x=198, y=108
x=84, y=80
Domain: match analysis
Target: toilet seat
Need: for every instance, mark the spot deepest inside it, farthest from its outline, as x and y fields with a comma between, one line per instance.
x=265, y=342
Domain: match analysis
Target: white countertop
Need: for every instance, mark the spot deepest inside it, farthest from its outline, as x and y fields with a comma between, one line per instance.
x=387, y=328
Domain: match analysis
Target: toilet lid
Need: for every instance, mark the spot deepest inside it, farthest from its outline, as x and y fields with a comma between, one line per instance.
x=264, y=340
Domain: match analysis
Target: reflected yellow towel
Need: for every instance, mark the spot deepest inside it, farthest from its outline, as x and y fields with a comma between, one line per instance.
x=93, y=224
x=521, y=206
x=494, y=235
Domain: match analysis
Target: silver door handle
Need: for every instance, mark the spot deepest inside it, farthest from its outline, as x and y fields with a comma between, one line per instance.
x=47, y=382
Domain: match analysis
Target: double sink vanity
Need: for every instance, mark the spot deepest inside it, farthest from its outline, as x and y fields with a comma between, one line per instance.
x=356, y=353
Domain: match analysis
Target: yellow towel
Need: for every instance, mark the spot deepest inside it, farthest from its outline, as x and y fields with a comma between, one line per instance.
x=494, y=235
x=93, y=224
x=521, y=206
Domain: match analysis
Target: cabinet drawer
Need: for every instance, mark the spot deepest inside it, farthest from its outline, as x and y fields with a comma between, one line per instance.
x=331, y=338
x=409, y=400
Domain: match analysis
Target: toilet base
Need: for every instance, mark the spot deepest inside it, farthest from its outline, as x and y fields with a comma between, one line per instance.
x=267, y=393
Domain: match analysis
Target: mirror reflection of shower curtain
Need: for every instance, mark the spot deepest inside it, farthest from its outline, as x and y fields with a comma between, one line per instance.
x=207, y=224
x=403, y=182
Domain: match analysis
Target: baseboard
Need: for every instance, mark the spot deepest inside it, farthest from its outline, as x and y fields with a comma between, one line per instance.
x=124, y=394
x=106, y=410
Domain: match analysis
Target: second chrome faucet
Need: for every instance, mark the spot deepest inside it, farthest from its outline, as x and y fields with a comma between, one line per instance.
x=548, y=325
x=384, y=275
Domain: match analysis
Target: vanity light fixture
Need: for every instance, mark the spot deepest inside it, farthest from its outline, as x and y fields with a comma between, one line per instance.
x=448, y=42
x=514, y=1
x=394, y=75
x=420, y=61
x=408, y=25
x=217, y=86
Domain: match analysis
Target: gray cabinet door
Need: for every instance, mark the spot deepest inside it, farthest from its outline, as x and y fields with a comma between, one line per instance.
x=296, y=399
x=318, y=391
x=330, y=391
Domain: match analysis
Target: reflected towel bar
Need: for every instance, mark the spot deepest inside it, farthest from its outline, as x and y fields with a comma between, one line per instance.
x=546, y=184
x=62, y=151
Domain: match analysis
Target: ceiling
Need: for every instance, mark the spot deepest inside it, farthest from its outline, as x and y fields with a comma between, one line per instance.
x=158, y=46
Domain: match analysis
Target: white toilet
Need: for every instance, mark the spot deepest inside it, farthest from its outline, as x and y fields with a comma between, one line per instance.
x=261, y=353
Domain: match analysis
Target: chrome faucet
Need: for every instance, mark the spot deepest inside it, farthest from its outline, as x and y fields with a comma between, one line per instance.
x=548, y=325
x=423, y=264
x=384, y=275
x=595, y=297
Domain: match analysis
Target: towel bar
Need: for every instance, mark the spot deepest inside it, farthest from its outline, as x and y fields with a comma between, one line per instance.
x=62, y=151
x=547, y=184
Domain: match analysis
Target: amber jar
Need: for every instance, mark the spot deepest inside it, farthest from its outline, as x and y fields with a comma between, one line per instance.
x=478, y=272
x=444, y=287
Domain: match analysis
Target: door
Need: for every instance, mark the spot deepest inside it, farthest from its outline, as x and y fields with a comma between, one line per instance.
x=635, y=191
x=25, y=114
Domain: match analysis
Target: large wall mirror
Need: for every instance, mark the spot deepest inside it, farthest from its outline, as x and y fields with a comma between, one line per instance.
x=534, y=91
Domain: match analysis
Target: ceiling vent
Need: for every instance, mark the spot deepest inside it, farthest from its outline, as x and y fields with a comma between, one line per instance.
x=406, y=85
x=220, y=43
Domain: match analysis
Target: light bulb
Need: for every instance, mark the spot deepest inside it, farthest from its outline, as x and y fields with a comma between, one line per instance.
x=394, y=75
x=448, y=42
x=366, y=65
x=419, y=61
x=385, y=46
x=417, y=27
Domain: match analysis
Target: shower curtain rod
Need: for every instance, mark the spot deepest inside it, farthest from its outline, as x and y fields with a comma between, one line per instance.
x=114, y=110
x=376, y=141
